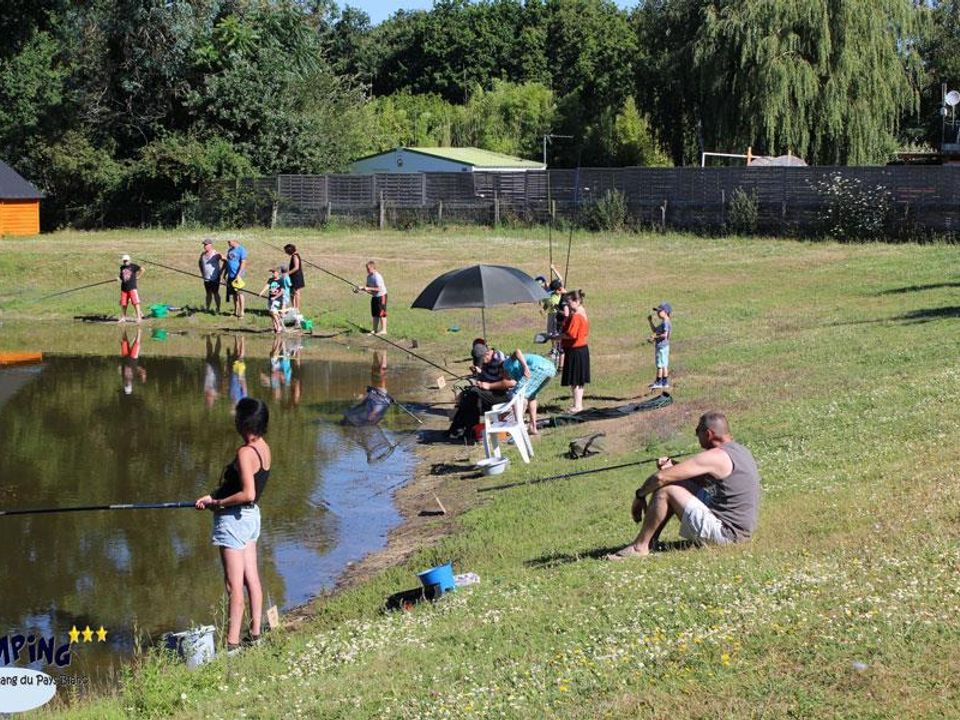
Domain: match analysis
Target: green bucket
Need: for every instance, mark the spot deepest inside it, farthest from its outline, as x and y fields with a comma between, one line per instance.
x=306, y=325
x=158, y=310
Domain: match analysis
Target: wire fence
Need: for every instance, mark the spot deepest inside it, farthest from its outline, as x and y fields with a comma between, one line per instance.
x=787, y=200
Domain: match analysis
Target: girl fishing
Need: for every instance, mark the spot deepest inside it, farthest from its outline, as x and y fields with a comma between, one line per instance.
x=236, y=519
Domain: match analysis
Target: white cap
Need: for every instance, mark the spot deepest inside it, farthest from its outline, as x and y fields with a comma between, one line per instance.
x=125, y=258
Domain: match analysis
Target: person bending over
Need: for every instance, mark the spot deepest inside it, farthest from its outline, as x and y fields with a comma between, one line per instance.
x=727, y=514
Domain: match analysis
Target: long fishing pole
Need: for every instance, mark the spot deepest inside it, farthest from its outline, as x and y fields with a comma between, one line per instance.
x=576, y=474
x=195, y=275
x=411, y=352
x=87, y=508
x=71, y=290
x=314, y=265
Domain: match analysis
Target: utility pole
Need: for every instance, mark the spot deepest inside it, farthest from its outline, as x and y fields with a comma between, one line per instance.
x=549, y=138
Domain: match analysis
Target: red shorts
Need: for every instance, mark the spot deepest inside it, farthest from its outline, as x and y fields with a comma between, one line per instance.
x=129, y=351
x=129, y=296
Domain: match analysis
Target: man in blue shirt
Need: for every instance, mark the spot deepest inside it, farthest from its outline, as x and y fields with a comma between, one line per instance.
x=234, y=269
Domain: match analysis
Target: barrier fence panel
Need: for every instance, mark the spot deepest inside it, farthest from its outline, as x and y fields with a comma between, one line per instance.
x=788, y=199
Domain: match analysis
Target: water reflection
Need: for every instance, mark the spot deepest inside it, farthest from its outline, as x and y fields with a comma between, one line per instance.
x=68, y=437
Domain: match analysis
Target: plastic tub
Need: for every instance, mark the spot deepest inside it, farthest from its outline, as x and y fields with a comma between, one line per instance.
x=306, y=325
x=493, y=465
x=194, y=646
x=439, y=578
x=158, y=310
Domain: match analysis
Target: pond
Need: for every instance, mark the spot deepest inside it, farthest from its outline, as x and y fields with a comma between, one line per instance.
x=134, y=426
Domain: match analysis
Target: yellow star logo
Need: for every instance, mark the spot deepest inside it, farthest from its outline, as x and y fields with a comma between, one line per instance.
x=87, y=634
x=101, y=634
x=74, y=635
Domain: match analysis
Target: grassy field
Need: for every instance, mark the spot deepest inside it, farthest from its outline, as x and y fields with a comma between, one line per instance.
x=836, y=366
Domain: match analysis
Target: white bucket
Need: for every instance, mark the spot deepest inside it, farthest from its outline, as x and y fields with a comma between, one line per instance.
x=194, y=646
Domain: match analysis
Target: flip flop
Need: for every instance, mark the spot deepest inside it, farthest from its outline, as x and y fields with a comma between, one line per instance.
x=628, y=552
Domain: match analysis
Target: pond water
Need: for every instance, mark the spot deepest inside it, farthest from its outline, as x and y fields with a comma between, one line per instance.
x=129, y=427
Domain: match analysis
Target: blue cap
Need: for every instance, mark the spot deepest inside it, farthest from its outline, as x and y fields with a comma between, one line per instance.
x=666, y=307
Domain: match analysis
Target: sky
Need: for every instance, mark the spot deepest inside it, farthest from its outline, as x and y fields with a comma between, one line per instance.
x=380, y=10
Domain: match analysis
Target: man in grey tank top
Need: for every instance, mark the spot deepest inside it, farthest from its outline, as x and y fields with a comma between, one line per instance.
x=715, y=493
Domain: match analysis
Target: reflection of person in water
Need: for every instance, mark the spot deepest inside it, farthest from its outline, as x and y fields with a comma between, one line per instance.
x=211, y=373
x=130, y=362
x=378, y=370
x=280, y=370
x=238, y=372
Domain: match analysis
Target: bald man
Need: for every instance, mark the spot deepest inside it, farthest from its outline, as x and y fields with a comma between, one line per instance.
x=724, y=513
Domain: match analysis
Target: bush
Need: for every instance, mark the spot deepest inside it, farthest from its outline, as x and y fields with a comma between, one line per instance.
x=853, y=211
x=743, y=212
x=609, y=212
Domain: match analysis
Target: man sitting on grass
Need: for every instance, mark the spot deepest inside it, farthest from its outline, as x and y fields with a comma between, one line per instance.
x=724, y=513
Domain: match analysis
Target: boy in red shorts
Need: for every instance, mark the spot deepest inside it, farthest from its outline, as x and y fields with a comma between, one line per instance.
x=129, y=274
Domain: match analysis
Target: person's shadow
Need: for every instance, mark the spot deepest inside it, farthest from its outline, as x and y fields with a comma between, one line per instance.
x=557, y=559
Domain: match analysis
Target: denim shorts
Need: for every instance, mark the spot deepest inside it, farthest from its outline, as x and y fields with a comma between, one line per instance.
x=235, y=527
x=663, y=357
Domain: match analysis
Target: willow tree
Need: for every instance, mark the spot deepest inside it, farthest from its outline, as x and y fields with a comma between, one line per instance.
x=828, y=80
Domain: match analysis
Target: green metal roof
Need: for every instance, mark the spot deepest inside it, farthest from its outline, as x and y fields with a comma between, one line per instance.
x=477, y=157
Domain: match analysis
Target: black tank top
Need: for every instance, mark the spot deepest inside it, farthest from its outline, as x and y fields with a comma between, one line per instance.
x=230, y=480
x=296, y=277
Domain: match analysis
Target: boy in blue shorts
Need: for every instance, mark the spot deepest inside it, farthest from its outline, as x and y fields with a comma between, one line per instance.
x=661, y=340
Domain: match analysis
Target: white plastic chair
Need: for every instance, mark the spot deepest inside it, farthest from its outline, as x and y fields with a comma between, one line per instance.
x=507, y=418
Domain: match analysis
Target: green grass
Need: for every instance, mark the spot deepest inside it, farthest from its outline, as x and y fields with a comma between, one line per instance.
x=835, y=364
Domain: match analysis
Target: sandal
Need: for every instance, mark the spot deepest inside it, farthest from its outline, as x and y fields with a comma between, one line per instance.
x=622, y=554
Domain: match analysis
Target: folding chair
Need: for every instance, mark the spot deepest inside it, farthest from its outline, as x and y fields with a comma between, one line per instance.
x=507, y=418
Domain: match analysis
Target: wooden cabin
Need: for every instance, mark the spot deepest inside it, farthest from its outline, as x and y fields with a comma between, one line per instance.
x=19, y=204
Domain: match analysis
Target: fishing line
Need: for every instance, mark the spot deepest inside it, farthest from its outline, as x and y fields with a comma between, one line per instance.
x=71, y=290
x=576, y=474
x=314, y=265
x=195, y=275
x=411, y=352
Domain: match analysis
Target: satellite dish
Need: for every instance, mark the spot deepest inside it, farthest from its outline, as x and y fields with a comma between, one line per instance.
x=952, y=98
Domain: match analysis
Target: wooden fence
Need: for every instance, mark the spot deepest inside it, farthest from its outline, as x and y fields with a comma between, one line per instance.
x=788, y=198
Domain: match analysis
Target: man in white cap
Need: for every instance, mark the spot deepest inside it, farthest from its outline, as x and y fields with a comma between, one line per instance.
x=129, y=274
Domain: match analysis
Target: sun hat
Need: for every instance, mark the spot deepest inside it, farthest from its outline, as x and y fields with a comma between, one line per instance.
x=124, y=258
x=238, y=283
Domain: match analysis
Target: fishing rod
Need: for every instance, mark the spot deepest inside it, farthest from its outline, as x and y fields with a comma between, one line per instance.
x=195, y=275
x=314, y=265
x=71, y=290
x=411, y=352
x=86, y=508
x=576, y=474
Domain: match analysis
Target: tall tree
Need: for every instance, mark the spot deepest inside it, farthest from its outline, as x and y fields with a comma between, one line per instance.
x=827, y=79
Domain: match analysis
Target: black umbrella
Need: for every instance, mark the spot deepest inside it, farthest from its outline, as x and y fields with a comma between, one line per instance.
x=480, y=286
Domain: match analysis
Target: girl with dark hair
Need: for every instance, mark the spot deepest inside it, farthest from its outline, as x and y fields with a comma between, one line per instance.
x=236, y=520
x=296, y=275
x=576, y=353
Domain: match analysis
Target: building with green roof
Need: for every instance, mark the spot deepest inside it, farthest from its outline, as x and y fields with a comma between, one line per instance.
x=442, y=159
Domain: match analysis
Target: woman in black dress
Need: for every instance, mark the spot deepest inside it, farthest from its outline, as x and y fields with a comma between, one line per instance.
x=296, y=275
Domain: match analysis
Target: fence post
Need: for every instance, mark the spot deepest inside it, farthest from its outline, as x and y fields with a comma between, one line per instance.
x=439, y=212
x=723, y=207
x=329, y=211
x=496, y=209
x=383, y=212
x=663, y=215
x=273, y=214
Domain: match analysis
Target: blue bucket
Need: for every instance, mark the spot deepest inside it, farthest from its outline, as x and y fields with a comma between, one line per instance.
x=440, y=577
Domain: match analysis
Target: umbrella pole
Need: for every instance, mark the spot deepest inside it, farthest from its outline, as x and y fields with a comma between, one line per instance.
x=483, y=319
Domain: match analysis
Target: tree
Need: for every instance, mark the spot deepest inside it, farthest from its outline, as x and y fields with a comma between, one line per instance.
x=826, y=79
x=508, y=118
